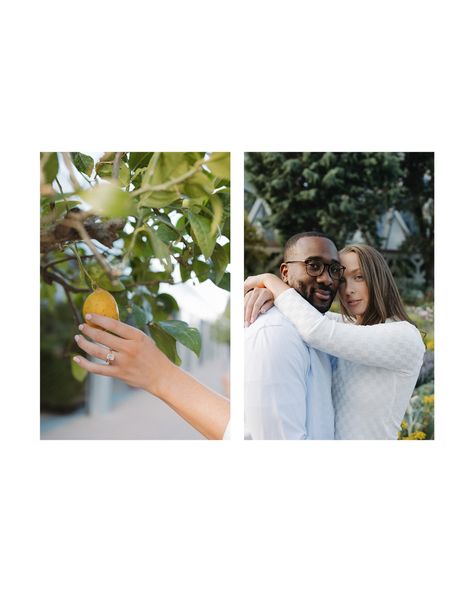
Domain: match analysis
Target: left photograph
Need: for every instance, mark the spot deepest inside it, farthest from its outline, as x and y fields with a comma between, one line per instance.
x=135, y=295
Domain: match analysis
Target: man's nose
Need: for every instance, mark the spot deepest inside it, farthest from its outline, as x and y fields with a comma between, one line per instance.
x=325, y=278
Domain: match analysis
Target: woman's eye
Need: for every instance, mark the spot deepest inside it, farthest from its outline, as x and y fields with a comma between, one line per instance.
x=358, y=278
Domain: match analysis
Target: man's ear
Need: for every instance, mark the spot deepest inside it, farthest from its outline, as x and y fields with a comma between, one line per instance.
x=284, y=272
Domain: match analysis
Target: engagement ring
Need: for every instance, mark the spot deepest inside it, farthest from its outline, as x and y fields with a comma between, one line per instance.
x=110, y=357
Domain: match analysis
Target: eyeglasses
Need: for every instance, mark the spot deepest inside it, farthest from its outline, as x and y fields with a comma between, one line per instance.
x=316, y=267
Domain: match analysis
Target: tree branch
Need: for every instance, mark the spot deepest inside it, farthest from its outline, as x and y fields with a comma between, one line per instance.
x=72, y=305
x=68, y=162
x=168, y=184
x=56, y=235
x=70, y=258
x=116, y=167
x=50, y=277
x=76, y=223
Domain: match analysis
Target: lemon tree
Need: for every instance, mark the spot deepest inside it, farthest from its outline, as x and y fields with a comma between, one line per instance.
x=130, y=223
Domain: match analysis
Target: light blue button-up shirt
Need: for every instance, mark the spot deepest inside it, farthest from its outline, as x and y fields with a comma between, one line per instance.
x=287, y=383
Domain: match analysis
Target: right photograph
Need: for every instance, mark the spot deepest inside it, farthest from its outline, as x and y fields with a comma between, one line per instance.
x=339, y=296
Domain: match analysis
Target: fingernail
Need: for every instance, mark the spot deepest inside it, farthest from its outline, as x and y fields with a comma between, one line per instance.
x=246, y=324
x=88, y=317
x=76, y=359
x=81, y=327
x=76, y=337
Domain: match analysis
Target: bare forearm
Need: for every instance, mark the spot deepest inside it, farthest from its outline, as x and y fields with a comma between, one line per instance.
x=266, y=280
x=274, y=284
x=207, y=411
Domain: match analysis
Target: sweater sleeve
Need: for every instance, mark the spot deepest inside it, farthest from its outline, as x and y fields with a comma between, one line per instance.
x=395, y=346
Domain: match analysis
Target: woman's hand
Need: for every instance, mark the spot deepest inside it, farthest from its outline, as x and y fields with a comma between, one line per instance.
x=257, y=301
x=136, y=359
x=256, y=281
x=266, y=280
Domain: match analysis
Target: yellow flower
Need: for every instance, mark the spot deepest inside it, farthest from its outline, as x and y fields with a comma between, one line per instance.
x=428, y=399
x=416, y=436
x=430, y=344
x=404, y=425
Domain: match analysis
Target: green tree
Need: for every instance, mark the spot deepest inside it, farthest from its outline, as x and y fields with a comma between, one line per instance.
x=337, y=193
x=418, y=199
x=133, y=222
x=256, y=257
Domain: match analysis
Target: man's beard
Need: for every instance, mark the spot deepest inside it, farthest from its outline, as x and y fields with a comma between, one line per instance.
x=308, y=293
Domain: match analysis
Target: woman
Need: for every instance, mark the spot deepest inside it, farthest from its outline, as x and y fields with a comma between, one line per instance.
x=379, y=351
x=133, y=357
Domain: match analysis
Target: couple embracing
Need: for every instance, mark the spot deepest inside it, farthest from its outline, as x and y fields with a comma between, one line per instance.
x=313, y=374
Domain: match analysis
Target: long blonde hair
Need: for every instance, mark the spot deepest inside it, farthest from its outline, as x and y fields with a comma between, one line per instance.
x=384, y=298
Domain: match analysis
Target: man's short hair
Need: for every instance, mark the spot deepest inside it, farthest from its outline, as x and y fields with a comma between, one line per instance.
x=291, y=242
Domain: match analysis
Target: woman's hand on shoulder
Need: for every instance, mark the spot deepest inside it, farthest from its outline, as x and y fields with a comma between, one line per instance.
x=266, y=280
x=257, y=301
x=255, y=281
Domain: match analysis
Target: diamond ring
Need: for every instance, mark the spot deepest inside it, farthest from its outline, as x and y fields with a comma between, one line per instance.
x=110, y=357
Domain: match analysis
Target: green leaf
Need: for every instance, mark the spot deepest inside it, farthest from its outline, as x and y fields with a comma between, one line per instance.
x=158, y=199
x=160, y=249
x=105, y=171
x=181, y=225
x=168, y=303
x=139, y=159
x=145, y=276
x=201, y=228
x=62, y=205
x=124, y=312
x=185, y=272
x=50, y=167
x=102, y=279
x=220, y=261
x=83, y=163
x=226, y=248
x=199, y=186
x=225, y=231
x=192, y=157
x=182, y=332
x=169, y=166
x=201, y=269
x=225, y=282
x=165, y=342
x=106, y=199
x=138, y=316
x=78, y=372
x=142, y=246
x=217, y=213
x=219, y=164
x=166, y=234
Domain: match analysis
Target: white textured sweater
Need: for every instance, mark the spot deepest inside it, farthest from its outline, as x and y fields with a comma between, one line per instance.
x=376, y=371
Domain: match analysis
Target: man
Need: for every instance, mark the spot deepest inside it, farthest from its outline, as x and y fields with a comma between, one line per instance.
x=287, y=383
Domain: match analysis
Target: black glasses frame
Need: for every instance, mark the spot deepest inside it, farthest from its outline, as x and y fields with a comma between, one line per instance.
x=325, y=266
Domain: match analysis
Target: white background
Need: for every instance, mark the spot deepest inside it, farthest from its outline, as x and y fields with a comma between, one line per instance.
x=239, y=76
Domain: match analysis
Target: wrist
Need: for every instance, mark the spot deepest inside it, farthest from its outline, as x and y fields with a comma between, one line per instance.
x=162, y=382
x=275, y=285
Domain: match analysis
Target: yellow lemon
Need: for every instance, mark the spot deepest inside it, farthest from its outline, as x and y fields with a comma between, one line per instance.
x=100, y=302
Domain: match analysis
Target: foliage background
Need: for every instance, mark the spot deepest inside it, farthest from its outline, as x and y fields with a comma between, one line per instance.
x=341, y=193
x=130, y=223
